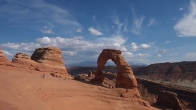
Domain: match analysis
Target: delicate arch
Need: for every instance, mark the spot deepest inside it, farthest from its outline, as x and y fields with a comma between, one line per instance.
x=125, y=77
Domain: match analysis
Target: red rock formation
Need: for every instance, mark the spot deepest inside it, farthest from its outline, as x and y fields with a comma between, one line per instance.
x=50, y=58
x=24, y=61
x=169, y=71
x=169, y=100
x=125, y=77
x=3, y=59
x=50, y=55
x=43, y=59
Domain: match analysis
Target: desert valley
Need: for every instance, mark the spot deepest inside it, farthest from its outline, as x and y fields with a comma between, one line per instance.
x=42, y=82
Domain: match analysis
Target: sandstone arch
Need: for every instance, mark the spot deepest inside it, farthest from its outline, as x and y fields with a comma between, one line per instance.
x=125, y=77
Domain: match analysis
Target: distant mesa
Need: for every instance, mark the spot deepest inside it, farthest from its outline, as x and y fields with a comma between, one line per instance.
x=183, y=73
x=3, y=59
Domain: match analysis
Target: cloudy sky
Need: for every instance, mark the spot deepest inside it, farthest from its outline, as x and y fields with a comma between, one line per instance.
x=147, y=31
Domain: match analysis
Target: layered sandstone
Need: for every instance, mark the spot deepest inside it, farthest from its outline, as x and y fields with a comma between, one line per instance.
x=3, y=59
x=50, y=58
x=125, y=77
x=179, y=73
x=24, y=61
x=43, y=59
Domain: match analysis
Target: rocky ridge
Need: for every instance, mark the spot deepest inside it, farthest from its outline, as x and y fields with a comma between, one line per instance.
x=43, y=59
x=3, y=59
x=179, y=73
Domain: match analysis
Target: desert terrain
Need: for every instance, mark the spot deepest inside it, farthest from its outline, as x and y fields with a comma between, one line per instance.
x=23, y=89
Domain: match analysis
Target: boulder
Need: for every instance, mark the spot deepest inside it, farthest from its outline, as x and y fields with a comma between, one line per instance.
x=3, y=59
x=169, y=100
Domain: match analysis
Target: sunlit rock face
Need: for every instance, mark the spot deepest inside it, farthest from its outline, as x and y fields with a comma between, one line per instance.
x=3, y=59
x=125, y=77
x=51, y=58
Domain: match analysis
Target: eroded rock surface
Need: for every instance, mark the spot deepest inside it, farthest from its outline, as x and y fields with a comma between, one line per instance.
x=50, y=55
x=43, y=59
x=3, y=59
x=169, y=100
x=125, y=77
x=50, y=58
x=24, y=60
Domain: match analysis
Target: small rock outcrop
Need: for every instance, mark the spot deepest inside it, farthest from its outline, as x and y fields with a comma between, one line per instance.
x=169, y=100
x=125, y=77
x=3, y=59
x=24, y=60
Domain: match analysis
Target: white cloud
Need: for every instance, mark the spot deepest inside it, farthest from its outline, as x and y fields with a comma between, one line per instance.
x=136, y=47
x=94, y=31
x=7, y=53
x=186, y=26
x=137, y=23
x=145, y=46
x=151, y=22
x=117, y=22
x=66, y=43
x=46, y=30
x=78, y=49
x=181, y=8
x=78, y=30
x=21, y=46
x=140, y=55
x=159, y=55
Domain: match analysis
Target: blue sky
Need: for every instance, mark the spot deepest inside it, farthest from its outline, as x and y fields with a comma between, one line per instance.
x=147, y=31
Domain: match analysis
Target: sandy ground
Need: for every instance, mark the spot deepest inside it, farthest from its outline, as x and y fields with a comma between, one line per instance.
x=26, y=90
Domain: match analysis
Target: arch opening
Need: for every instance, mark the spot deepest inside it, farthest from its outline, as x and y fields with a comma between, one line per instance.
x=125, y=77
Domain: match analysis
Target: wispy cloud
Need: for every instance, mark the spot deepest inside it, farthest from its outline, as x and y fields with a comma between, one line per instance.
x=191, y=55
x=167, y=42
x=117, y=22
x=7, y=53
x=25, y=13
x=137, y=23
x=159, y=55
x=46, y=30
x=186, y=26
x=94, y=31
x=140, y=55
x=181, y=8
x=151, y=22
x=78, y=30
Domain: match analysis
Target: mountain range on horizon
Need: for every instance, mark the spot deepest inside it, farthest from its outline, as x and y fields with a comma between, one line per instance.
x=94, y=63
